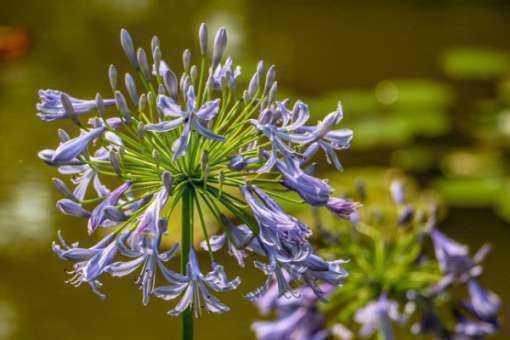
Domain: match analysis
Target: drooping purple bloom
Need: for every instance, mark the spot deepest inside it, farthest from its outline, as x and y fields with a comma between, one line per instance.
x=51, y=106
x=482, y=303
x=313, y=190
x=71, y=149
x=146, y=255
x=343, y=208
x=191, y=119
x=454, y=257
x=194, y=288
x=377, y=316
x=285, y=233
x=90, y=262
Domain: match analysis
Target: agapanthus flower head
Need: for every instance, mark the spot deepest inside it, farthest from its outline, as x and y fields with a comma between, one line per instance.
x=188, y=137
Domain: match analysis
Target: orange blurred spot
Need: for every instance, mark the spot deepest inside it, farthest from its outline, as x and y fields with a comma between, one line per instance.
x=14, y=43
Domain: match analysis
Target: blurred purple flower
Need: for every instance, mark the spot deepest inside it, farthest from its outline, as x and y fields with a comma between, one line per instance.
x=377, y=316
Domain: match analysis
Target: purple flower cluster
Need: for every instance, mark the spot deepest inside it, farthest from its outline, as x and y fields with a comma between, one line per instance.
x=170, y=140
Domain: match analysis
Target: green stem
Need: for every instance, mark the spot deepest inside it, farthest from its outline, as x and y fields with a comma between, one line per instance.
x=186, y=237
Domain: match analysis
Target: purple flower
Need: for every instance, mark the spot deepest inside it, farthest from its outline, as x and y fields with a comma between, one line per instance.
x=72, y=208
x=225, y=71
x=83, y=175
x=146, y=255
x=90, y=262
x=324, y=137
x=454, y=257
x=283, y=266
x=282, y=126
x=279, y=135
x=397, y=192
x=98, y=217
x=472, y=329
x=313, y=190
x=218, y=241
x=377, y=315
x=47, y=156
x=483, y=303
x=52, y=109
x=284, y=233
x=194, y=285
x=191, y=119
x=72, y=148
x=149, y=220
x=343, y=208
x=298, y=316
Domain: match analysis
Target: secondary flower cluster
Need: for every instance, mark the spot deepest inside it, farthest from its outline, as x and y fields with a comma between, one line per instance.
x=388, y=272
x=197, y=142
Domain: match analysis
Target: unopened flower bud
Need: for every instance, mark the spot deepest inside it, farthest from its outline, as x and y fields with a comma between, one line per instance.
x=220, y=42
x=253, y=86
x=141, y=130
x=186, y=59
x=131, y=88
x=63, y=189
x=156, y=57
x=168, y=182
x=142, y=61
x=193, y=72
x=156, y=156
x=127, y=45
x=100, y=105
x=171, y=84
x=120, y=102
x=272, y=92
x=63, y=136
x=202, y=37
x=270, y=77
x=155, y=43
x=112, y=76
x=114, y=214
x=115, y=162
x=260, y=69
x=69, y=109
x=142, y=102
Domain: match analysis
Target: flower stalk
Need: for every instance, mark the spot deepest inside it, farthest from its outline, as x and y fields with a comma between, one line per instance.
x=187, y=244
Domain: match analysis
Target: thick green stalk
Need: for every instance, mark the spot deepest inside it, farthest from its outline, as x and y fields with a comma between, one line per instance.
x=187, y=243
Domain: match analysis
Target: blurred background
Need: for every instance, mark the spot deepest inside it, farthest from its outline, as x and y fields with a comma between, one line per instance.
x=425, y=87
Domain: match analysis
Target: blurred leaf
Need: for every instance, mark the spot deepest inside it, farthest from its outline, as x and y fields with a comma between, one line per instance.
x=470, y=163
x=415, y=158
x=414, y=93
x=475, y=63
x=469, y=191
